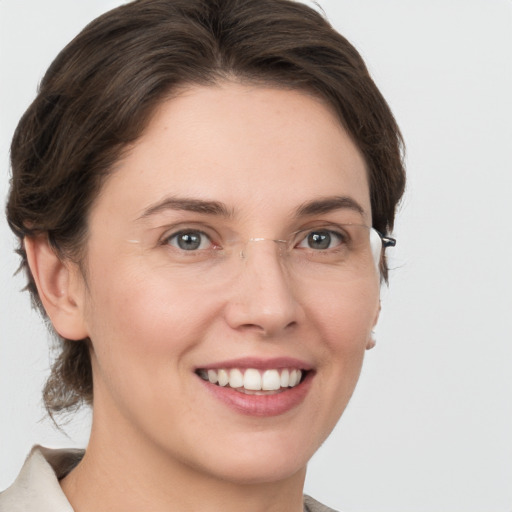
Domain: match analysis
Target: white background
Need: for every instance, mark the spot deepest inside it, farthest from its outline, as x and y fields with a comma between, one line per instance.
x=430, y=425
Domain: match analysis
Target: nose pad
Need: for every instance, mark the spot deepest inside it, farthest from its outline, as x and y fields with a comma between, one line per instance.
x=281, y=244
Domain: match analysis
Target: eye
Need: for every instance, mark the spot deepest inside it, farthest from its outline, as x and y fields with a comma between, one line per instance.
x=190, y=240
x=321, y=240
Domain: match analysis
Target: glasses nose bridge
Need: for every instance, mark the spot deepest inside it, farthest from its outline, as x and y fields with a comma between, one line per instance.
x=280, y=245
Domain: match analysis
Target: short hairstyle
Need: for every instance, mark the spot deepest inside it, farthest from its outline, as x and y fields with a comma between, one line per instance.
x=100, y=92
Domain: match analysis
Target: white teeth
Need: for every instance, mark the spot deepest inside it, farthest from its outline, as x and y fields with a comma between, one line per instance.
x=236, y=379
x=285, y=378
x=270, y=380
x=223, y=377
x=252, y=379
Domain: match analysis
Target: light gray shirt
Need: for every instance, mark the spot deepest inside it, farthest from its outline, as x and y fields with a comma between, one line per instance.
x=37, y=487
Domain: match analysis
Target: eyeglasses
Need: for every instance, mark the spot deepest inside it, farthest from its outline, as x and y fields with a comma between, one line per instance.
x=340, y=252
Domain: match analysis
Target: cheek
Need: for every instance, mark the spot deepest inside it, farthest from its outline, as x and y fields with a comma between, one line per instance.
x=344, y=319
x=142, y=330
x=136, y=315
x=345, y=315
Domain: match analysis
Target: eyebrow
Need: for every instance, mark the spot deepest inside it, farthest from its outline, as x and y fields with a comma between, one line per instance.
x=314, y=207
x=189, y=205
x=329, y=204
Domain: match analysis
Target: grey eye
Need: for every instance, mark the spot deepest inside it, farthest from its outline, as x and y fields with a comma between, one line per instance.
x=321, y=240
x=189, y=240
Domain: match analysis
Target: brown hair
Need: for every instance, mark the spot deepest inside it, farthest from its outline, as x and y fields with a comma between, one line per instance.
x=98, y=95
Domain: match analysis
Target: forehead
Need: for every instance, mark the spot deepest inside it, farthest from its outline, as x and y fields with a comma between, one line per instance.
x=248, y=147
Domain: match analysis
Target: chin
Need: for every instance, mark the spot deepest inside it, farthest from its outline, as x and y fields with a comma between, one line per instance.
x=258, y=471
x=259, y=460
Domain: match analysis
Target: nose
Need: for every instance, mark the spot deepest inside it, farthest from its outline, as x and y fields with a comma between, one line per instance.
x=262, y=298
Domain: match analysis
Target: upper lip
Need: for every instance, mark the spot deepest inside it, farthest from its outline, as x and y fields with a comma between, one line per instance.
x=259, y=363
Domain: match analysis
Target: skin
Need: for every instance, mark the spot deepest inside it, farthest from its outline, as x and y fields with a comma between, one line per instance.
x=159, y=441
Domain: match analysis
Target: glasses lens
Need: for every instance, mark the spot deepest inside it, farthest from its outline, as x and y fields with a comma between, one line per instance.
x=333, y=254
x=340, y=253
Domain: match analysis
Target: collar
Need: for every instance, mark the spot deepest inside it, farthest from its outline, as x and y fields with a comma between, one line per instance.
x=37, y=487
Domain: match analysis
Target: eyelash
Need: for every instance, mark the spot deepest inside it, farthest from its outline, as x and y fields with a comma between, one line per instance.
x=331, y=234
x=167, y=240
x=305, y=234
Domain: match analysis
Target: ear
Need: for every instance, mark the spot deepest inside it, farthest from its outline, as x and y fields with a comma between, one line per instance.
x=60, y=287
x=371, y=340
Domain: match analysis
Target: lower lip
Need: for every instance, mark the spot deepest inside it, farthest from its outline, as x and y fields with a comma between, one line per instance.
x=261, y=405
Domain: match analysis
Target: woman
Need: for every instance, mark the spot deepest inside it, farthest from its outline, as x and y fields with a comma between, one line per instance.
x=202, y=191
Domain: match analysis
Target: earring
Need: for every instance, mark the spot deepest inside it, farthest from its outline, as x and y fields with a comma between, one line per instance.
x=372, y=341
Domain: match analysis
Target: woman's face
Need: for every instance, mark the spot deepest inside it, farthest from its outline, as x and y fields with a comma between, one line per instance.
x=174, y=287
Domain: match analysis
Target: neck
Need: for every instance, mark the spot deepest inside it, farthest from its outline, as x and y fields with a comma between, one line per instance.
x=129, y=474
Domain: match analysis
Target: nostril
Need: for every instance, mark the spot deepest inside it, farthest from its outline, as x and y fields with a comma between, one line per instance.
x=267, y=328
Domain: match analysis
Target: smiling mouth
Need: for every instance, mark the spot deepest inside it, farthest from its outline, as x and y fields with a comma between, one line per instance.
x=252, y=381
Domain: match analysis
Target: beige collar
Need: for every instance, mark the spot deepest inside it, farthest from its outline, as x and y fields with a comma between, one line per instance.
x=37, y=487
